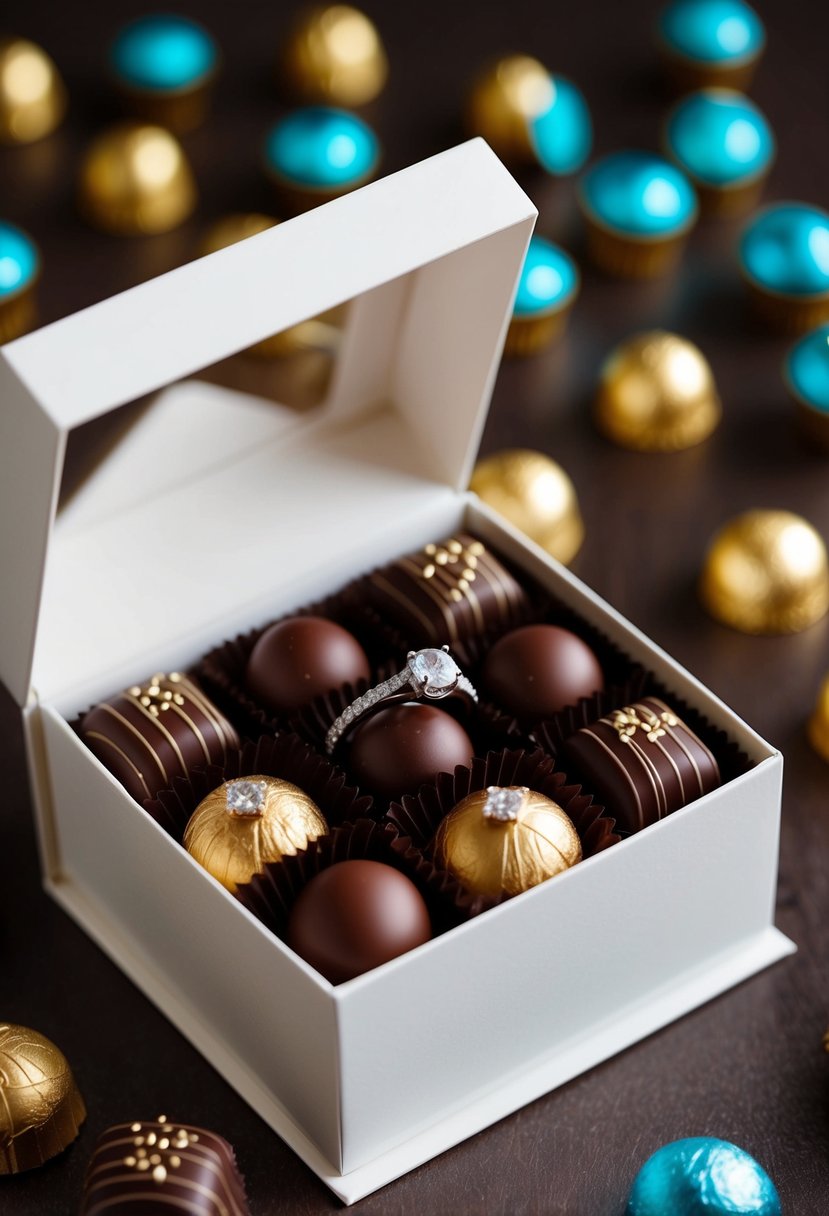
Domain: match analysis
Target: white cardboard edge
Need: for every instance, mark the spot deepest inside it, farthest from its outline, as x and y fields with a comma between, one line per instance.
x=564, y=1063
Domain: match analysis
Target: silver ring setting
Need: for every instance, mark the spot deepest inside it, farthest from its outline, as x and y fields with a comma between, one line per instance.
x=429, y=675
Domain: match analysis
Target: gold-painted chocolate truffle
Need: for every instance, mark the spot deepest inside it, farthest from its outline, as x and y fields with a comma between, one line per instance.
x=536, y=495
x=657, y=394
x=334, y=55
x=41, y=1108
x=504, y=101
x=240, y=827
x=32, y=95
x=506, y=839
x=766, y=572
x=135, y=180
x=818, y=727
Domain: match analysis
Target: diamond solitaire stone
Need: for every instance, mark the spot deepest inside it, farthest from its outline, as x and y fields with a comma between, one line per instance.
x=435, y=672
x=504, y=802
x=246, y=797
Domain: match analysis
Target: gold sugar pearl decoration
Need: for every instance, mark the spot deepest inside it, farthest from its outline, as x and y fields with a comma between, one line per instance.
x=32, y=93
x=657, y=394
x=144, y=1161
x=535, y=495
x=136, y=181
x=504, y=101
x=765, y=572
x=334, y=55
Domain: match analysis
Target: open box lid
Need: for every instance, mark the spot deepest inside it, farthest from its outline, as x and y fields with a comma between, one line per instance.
x=215, y=499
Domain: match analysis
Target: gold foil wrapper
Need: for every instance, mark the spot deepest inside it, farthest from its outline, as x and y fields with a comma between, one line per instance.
x=657, y=394
x=787, y=314
x=32, y=94
x=503, y=102
x=136, y=181
x=493, y=855
x=41, y=1108
x=234, y=846
x=629, y=257
x=334, y=55
x=536, y=495
x=765, y=573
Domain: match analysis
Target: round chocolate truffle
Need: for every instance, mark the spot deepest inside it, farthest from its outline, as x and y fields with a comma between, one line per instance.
x=302, y=658
x=403, y=747
x=356, y=915
x=536, y=671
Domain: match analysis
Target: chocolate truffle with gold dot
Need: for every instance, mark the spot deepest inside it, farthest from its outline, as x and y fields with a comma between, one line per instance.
x=536, y=495
x=152, y=733
x=334, y=56
x=19, y=272
x=505, y=839
x=158, y=1166
x=244, y=824
x=32, y=94
x=529, y=115
x=136, y=181
x=657, y=394
x=41, y=1110
x=163, y=65
x=765, y=572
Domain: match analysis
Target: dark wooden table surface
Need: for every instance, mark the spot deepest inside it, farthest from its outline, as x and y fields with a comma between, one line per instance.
x=748, y=1067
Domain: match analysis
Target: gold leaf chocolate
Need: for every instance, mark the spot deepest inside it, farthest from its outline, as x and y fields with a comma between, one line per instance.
x=41, y=1108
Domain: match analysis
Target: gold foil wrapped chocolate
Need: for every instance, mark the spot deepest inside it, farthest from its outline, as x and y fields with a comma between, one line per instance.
x=657, y=394
x=505, y=839
x=135, y=181
x=818, y=727
x=334, y=55
x=536, y=495
x=504, y=101
x=32, y=94
x=41, y=1108
x=240, y=827
x=766, y=572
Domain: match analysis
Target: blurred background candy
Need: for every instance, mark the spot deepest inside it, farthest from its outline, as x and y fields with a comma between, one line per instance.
x=534, y=494
x=32, y=94
x=806, y=372
x=333, y=55
x=136, y=181
x=314, y=154
x=709, y=42
x=19, y=272
x=163, y=65
x=784, y=254
x=547, y=290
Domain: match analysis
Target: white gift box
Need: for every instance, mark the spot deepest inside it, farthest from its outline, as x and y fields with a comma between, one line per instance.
x=217, y=511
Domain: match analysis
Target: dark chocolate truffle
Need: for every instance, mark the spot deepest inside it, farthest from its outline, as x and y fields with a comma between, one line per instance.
x=403, y=747
x=447, y=592
x=642, y=762
x=356, y=915
x=536, y=671
x=149, y=1168
x=153, y=732
x=296, y=660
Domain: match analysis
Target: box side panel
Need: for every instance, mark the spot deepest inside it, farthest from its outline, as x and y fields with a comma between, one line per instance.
x=547, y=967
x=198, y=943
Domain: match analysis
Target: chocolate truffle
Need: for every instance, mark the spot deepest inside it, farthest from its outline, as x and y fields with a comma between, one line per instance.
x=536, y=671
x=356, y=915
x=505, y=839
x=446, y=592
x=153, y=732
x=403, y=747
x=642, y=762
x=149, y=1168
x=41, y=1109
x=244, y=824
x=301, y=658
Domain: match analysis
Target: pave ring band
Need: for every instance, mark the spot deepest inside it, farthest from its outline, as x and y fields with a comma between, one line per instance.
x=429, y=675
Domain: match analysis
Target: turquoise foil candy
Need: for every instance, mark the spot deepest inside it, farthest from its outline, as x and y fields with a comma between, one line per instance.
x=639, y=194
x=785, y=249
x=322, y=147
x=19, y=261
x=562, y=136
x=807, y=369
x=712, y=31
x=163, y=53
x=720, y=138
x=702, y=1176
x=549, y=279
